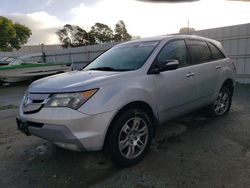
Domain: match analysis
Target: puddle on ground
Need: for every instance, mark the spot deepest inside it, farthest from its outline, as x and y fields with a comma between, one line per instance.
x=168, y=134
x=42, y=149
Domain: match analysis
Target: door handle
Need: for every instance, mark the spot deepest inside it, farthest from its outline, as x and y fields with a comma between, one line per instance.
x=218, y=67
x=190, y=74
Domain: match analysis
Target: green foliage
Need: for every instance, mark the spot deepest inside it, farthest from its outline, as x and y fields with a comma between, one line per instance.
x=102, y=33
x=7, y=107
x=186, y=30
x=7, y=67
x=73, y=36
x=13, y=35
x=121, y=33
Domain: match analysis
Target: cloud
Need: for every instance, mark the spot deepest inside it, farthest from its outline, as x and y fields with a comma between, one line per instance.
x=42, y=24
x=149, y=19
x=45, y=20
x=142, y=19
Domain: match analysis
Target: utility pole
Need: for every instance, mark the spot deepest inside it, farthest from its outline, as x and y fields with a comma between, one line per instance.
x=43, y=54
x=188, y=28
x=87, y=28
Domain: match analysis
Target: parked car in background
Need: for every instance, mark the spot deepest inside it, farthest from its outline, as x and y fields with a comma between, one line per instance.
x=31, y=67
x=117, y=100
x=6, y=60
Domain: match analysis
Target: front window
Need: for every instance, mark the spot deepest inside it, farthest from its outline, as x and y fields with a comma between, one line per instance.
x=174, y=50
x=124, y=57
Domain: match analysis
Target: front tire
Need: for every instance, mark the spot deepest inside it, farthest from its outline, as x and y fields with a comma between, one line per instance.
x=130, y=137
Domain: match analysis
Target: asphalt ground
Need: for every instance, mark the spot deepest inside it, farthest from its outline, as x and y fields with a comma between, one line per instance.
x=191, y=151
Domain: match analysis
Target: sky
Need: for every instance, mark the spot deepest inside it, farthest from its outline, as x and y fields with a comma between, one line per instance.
x=143, y=18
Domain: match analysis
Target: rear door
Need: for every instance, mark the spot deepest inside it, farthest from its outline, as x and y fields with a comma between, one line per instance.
x=175, y=89
x=208, y=69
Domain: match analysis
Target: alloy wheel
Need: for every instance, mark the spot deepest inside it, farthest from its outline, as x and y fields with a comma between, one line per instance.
x=222, y=103
x=133, y=138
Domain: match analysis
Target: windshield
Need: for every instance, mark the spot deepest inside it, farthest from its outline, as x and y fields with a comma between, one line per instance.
x=3, y=59
x=123, y=57
x=26, y=60
x=17, y=62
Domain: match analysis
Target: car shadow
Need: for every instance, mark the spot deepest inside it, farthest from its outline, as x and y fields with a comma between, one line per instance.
x=64, y=167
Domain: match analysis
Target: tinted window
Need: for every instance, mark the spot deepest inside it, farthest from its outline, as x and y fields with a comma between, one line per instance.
x=199, y=51
x=174, y=50
x=124, y=57
x=215, y=52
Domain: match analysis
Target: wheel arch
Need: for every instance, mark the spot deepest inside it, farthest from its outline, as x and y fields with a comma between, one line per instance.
x=136, y=104
x=229, y=84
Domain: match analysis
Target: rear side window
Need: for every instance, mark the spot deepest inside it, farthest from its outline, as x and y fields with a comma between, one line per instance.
x=199, y=50
x=175, y=50
x=216, y=53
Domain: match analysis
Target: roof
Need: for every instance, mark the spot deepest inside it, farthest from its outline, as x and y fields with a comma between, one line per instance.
x=159, y=38
x=174, y=36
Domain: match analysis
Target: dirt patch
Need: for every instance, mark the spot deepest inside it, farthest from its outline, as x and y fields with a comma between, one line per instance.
x=6, y=107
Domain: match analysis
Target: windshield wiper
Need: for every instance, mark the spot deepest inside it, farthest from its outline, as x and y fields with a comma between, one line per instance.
x=104, y=69
x=109, y=69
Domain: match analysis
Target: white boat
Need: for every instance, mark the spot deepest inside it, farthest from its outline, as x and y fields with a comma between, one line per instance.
x=6, y=60
x=30, y=67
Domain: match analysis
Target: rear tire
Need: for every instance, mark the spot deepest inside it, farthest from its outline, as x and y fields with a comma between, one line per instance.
x=222, y=104
x=130, y=137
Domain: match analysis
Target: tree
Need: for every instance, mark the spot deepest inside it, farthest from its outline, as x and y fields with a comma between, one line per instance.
x=121, y=33
x=13, y=35
x=102, y=33
x=186, y=30
x=72, y=36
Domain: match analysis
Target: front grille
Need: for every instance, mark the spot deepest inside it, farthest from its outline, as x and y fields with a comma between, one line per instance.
x=33, y=102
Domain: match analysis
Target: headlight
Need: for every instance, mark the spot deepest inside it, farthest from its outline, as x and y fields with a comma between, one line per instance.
x=71, y=100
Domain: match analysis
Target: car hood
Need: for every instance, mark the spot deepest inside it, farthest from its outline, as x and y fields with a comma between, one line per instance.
x=72, y=81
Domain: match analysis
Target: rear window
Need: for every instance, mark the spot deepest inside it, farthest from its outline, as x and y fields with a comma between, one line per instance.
x=199, y=50
x=216, y=53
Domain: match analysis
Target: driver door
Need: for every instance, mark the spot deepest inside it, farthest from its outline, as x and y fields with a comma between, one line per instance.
x=176, y=90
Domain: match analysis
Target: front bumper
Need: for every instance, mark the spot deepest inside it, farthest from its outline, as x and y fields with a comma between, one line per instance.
x=59, y=134
x=67, y=128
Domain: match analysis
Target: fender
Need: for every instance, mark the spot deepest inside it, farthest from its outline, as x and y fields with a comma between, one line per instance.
x=114, y=97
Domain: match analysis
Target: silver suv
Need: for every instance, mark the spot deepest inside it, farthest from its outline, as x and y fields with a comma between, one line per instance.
x=116, y=101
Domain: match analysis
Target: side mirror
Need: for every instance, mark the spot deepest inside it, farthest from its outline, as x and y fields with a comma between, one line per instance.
x=167, y=65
